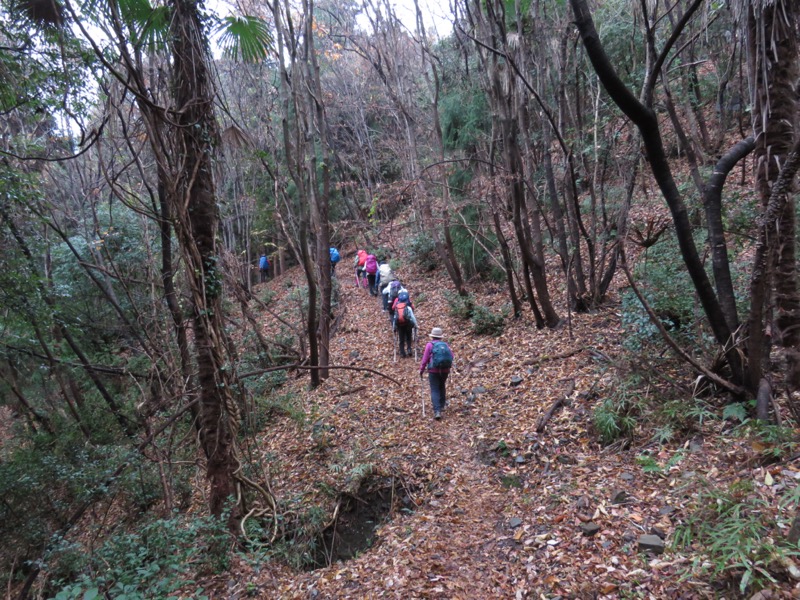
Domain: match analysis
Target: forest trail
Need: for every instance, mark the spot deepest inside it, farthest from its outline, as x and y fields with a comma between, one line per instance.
x=499, y=506
x=468, y=537
x=449, y=551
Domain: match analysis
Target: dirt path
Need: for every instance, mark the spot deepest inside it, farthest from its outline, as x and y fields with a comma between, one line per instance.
x=452, y=544
x=498, y=506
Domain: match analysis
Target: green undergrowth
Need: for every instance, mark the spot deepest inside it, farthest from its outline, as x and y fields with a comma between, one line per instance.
x=484, y=320
x=736, y=537
x=154, y=560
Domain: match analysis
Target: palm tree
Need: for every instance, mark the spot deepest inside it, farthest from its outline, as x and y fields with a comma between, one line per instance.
x=773, y=55
x=183, y=137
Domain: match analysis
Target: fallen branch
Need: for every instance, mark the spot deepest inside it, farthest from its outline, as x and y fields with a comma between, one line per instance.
x=724, y=383
x=351, y=391
x=556, y=405
x=536, y=361
x=310, y=367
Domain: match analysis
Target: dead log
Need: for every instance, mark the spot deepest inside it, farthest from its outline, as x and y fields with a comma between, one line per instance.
x=542, y=359
x=556, y=405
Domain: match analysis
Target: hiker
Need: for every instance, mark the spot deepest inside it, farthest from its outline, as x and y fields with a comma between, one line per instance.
x=437, y=358
x=263, y=267
x=391, y=292
x=335, y=258
x=385, y=274
x=361, y=258
x=387, y=290
x=404, y=323
x=371, y=269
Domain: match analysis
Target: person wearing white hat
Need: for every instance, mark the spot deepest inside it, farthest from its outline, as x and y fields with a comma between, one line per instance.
x=437, y=359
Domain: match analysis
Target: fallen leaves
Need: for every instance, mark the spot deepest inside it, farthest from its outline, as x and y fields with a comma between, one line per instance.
x=484, y=464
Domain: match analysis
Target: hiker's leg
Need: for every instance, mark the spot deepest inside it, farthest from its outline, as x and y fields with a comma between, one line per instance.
x=434, y=379
x=443, y=389
x=407, y=333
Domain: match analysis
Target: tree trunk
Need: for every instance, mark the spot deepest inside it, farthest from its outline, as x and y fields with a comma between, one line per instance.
x=646, y=121
x=774, y=57
x=194, y=207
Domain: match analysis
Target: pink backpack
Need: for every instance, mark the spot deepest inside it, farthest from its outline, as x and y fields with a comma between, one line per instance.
x=371, y=266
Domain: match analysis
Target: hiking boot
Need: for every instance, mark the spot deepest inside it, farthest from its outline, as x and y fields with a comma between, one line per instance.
x=437, y=415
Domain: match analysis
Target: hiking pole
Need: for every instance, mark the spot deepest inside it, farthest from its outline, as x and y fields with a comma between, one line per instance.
x=422, y=382
x=416, y=343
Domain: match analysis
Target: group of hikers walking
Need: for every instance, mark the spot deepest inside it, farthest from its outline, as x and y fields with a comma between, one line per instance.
x=437, y=358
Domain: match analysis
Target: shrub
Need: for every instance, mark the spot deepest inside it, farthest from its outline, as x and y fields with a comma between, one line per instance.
x=487, y=322
x=666, y=285
x=421, y=249
x=461, y=307
x=153, y=561
x=473, y=257
x=615, y=418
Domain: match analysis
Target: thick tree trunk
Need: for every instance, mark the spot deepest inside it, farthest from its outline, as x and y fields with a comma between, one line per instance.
x=194, y=207
x=320, y=198
x=774, y=56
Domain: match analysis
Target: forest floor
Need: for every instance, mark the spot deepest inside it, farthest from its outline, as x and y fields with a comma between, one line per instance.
x=486, y=506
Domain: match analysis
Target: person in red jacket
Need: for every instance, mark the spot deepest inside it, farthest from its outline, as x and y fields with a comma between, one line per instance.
x=437, y=359
x=361, y=258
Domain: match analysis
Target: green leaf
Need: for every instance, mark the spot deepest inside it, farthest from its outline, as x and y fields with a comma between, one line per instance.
x=737, y=412
x=149, y=24
x=244, y=36
x=91, y=594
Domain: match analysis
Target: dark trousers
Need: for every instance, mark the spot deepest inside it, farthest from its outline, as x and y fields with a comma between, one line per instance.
x=264, y=275
x=405, y=333
x=438, y=395
x=373, y=289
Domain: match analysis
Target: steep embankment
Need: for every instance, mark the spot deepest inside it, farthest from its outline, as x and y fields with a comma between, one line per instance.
x=501, y=510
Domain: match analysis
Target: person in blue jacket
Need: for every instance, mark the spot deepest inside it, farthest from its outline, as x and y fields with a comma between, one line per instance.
x=335, y=258
x=263, y=267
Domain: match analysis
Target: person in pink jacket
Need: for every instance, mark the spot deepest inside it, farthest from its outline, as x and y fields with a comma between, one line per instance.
x=437, y=359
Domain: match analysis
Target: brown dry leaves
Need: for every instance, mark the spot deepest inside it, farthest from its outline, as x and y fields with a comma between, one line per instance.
x=498, y=505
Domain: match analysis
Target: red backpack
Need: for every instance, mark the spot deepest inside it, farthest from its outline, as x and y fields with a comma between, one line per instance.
x=371, y=264
x=362, y=257
x=400, y=311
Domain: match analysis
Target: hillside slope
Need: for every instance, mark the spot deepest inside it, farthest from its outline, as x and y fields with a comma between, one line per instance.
x=486, y=506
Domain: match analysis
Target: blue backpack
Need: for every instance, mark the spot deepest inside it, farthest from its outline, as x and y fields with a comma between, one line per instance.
x=335, y=255
x=441, y=357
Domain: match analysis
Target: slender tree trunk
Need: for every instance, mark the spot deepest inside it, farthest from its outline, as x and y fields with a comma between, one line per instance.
x=508, y=264
x=712, y=199
x=646, y=121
